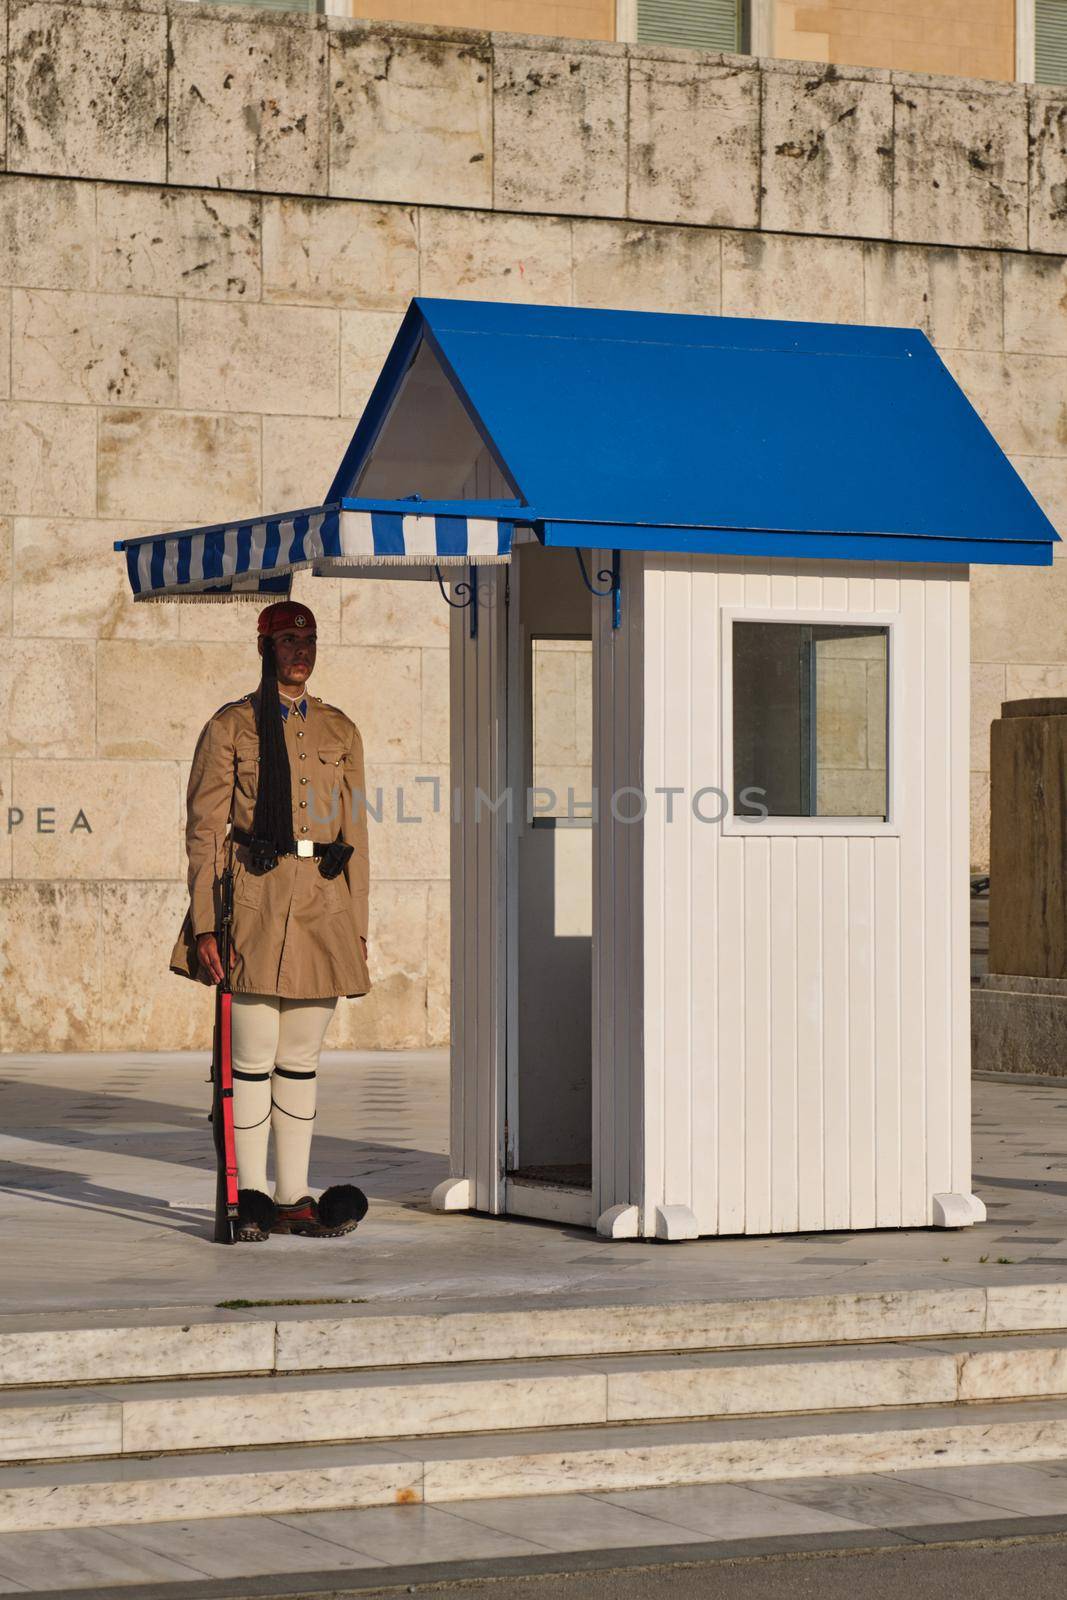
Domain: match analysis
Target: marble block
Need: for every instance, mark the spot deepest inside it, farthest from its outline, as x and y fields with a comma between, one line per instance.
x=104, y=349
x=1048, y=169
x=48, y=460
x=827, y=152
x=177, y=241
x=569, y=106
x=693, y=141
x=410, y=116
x=487, y=256
x=37, y=1432
x=956, y=297
x=177, y=467
x=59, y=922
x=154, y=697
x=782, y=275
x=132, y=1346
x=69, y=583
x=131, y=812
x=961, y=159
x=87, y=91
x=340, y=253
x=46, y=232
x=248, y=102
x=47, y=698
x=634, y=266
x=276, y=359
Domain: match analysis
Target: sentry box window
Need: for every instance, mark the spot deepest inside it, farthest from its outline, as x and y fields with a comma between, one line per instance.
x=810, y=728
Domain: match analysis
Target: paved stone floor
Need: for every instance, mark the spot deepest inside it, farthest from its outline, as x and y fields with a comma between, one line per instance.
x=107, y=1180
x=514, y=1536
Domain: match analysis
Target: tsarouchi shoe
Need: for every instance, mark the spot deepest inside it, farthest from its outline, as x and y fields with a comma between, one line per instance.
x=339, y=1209
x=256, y=1215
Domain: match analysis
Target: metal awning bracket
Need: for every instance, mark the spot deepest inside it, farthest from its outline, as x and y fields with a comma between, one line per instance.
x=470, y=589
x=612, y=575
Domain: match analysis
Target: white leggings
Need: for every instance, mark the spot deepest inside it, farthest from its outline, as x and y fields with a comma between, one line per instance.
x=276, y=1046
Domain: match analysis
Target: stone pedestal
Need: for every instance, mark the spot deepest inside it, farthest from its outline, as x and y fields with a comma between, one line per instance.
x=1019, y=1025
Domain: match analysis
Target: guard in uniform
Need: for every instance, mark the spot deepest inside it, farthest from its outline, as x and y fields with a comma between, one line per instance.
x=277, y=790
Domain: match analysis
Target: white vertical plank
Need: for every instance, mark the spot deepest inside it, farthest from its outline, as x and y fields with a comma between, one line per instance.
x=809, y=978
x=835, y=581
x=757, y=1035
x=731, y=1030
x=809, y=586
x=757, y=583
x=604, y=892
x=705, y=770
x=886, y=1061
x=730, y=967
x=959, y=876
x=861, y=586
x=909, y=748
x=630, y=973
x=886, y=585
x=677, y=943
x=459, y=1064
x=861, y=1029
x=783, y=1035
x=654, y=918
x=836, y=995
x=937, y=827
x=783, y=585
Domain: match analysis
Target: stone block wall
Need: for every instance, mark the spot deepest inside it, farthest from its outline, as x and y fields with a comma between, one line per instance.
x=210, y=224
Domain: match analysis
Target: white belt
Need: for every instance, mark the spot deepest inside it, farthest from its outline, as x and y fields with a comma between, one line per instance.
x=305, y=847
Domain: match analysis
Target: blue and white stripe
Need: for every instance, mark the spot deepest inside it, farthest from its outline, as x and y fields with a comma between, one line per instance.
x=257, y=557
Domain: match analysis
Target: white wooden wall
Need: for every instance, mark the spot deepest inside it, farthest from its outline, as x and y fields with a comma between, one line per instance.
x=806, y=1052
x=477, y=859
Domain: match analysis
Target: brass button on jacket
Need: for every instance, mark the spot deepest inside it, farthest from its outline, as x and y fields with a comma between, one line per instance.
x=295, y=933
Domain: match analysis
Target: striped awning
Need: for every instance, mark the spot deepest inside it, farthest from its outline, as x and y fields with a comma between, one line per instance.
x=255, y=558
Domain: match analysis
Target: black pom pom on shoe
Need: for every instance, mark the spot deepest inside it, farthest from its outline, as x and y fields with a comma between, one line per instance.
x=256, y=1215
x=341, y=1204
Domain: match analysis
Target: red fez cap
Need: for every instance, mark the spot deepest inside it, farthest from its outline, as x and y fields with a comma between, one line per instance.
x=284, y=614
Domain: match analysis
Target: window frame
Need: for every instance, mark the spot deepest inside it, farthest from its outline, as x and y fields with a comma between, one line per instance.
x=733, y=826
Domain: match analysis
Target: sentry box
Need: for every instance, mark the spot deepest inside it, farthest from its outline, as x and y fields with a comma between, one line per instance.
x=709, y=734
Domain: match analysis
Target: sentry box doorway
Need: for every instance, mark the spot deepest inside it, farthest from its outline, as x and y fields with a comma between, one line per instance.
x=708, y=581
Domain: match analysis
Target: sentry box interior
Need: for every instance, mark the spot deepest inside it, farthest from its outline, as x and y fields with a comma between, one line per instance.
x=709, y=737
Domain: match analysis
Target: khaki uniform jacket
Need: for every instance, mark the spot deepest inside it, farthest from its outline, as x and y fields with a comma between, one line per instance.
x=294, y=933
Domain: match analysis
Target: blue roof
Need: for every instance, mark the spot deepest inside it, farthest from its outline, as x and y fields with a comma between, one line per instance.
x=675, y=432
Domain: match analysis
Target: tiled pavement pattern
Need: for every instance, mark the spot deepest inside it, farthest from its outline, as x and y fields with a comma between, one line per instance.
x=106, y=1183
x=966, y=1499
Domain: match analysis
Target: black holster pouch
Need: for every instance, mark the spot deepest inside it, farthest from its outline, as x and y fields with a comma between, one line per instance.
x=333, y=858
x=263, y=855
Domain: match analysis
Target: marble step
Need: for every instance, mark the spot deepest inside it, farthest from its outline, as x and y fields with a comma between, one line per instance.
x=90, y=1348
x=318, y=1408
x=291, y=1479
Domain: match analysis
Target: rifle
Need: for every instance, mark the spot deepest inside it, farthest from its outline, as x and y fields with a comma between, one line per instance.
x=222, y=1080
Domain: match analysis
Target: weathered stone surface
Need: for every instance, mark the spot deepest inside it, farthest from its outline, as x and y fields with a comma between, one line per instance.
x=1015, y=612
x=955, y=296
x=46, y=232
x=70, y=584
x=384, y=613
x=960, y=164
x=693, y=141
x=482, y=256
x=380, y=689
x=154, y=697
x=1035, y=304
x=393, y=1015
x=827, y=153
x=178, y=467
x=768, y=275
x=278, y=359
x=178, y=241
x=103, y=348
x=5, y=345
x=7, y=592
x=1048, y=169
x=410, y=116
x=435, y=698
x=88, y=91
x=1017, y=1029
x=638, y=266
x=1022, y=399
x=300, y=457
x=1037, y=682
x=340, y=253
x=1046, y=479
x=559, y=129
x=988, y=693
x=979, y=822
x=410, y=839
x=5, y=801
x=47, y=460
x=131, y=808
x=60, y=923
x=366, y=338
x=138, y=925
x=248, y=102
x=47, y=699
x=438, y=970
